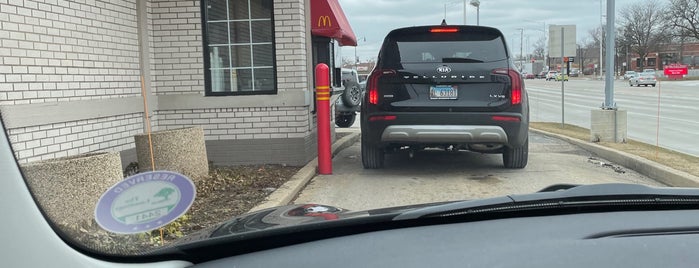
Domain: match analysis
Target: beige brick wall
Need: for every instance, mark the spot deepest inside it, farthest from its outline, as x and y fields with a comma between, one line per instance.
x=178, y=63
x=240, y=123
x=76, y=137
x=290, y=41
x=62, y=51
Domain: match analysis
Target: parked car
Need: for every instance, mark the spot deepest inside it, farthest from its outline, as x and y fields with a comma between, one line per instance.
x=347, y=106
x=629, y=74
x=551, y=75
x=574, y=72
x=428, y=93
x=561, y=76
x=529, y=76
x=644, y=79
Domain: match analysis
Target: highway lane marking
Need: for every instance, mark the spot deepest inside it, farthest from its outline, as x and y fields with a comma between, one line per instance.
x=621, y=100
x=627, y=111
x=618, y=93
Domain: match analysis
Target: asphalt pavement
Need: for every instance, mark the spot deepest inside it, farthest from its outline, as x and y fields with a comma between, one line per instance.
x=435, y=175
x=432, y=176
x=666, y=114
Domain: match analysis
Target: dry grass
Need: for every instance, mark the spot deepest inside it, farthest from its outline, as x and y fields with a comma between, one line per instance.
x=689, y=78
x=670, y=158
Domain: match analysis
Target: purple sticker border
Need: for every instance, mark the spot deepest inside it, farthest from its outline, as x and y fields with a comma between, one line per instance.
x=103, y=213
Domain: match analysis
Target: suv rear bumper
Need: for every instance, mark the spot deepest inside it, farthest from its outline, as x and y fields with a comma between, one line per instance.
x=444, y=133
x=445, y=128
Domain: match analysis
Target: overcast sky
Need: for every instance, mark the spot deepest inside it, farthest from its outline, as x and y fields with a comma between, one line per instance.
x=373, y=19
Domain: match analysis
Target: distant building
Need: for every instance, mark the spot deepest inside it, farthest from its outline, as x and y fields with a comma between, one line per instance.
x=666, y=55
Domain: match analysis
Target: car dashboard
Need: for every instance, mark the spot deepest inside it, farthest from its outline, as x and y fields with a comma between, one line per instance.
x=610, y=239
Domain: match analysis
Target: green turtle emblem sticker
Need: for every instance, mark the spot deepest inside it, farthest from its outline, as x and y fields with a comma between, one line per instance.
x=144, y=202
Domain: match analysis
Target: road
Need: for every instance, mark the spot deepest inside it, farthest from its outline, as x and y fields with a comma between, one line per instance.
x=433, y=176
x=678, y=124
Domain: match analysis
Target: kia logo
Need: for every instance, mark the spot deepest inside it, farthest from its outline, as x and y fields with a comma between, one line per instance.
x=443, y=69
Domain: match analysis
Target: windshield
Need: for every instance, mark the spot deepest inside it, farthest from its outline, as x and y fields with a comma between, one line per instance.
x=143, y=125
x=484, y=49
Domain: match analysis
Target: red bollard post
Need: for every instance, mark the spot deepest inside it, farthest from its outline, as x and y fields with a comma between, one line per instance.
x=323, y=116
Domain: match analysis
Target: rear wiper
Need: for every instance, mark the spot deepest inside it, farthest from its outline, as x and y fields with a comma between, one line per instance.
x=569, y=196
x=460, y=60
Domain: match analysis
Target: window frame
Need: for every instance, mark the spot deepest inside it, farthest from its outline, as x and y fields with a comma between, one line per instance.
x=207, y=61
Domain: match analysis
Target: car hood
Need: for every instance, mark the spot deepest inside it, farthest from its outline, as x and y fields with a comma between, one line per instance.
x=560, y=196
x=288, y=216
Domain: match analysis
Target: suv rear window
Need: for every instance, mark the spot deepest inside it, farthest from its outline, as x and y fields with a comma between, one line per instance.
x=442, y=48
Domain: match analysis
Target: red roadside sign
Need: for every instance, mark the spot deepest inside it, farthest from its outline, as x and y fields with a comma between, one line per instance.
x=675, y=71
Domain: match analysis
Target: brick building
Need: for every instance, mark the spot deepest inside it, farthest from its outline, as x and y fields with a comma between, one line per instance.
x=673, y=53
x=70, y=74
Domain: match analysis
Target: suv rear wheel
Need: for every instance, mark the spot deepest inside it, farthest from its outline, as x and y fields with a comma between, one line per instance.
x=516, y=157
x=372, y=156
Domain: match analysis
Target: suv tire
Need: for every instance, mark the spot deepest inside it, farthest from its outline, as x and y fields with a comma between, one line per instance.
x=516, y=157
x=345, y=119
x=352, y=95
x=372, y=157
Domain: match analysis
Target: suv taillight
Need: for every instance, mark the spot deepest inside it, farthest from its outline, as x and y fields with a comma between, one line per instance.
x=516, y=80
x=373, y=84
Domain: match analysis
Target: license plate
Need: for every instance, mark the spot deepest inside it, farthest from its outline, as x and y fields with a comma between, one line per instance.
x=443, y=92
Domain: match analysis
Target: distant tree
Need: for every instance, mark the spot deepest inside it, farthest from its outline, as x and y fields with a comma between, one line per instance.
x=596, y=38
x=348, y=62
x=682, y=15
x=623, y=46
x=539, y=51
x=594, y=34
x=643, y=27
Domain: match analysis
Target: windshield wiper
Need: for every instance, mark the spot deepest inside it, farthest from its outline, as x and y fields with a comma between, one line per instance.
x=584, y=196
x=460, y=60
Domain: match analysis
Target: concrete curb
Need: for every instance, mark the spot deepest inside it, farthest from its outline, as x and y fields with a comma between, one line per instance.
x=287, y=192
x=653, y=170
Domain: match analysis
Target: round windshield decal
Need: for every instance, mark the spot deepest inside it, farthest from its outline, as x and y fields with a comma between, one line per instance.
x=144, y=202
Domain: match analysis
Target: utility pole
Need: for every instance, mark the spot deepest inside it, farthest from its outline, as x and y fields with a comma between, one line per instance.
x=521, y=55
x=601, y=35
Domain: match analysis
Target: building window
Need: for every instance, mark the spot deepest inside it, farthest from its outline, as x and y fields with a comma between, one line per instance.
x=239, y=47
x=651, y=63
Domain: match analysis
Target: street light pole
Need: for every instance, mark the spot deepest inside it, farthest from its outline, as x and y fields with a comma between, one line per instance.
x=465, y=12
x=451, y=3
x=477, y=4
x=521, y=42
x=546, y=61
x=601, y=35
x=356, y=59
x=609, y=81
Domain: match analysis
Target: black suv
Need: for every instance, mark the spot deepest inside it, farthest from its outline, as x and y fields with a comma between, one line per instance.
x=448, y=87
